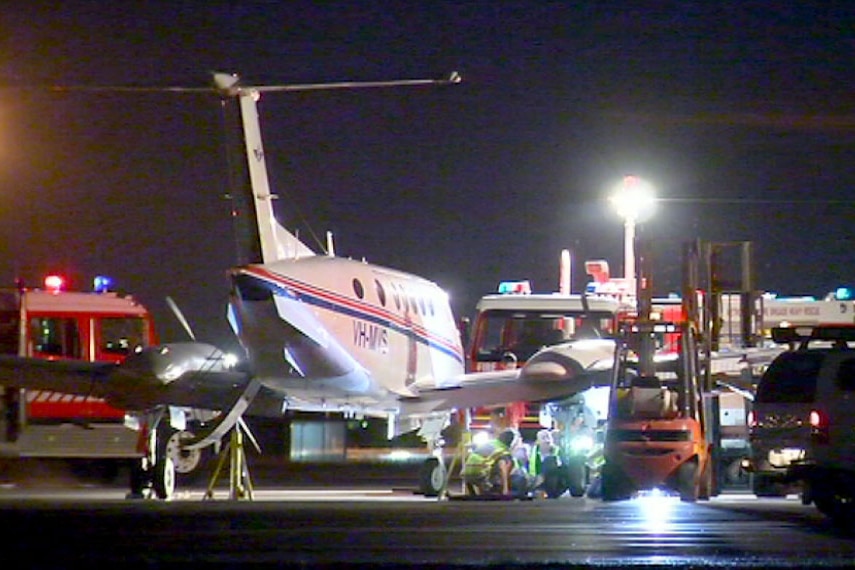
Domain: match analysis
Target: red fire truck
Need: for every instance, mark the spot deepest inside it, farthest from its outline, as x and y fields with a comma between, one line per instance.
x=53, y=323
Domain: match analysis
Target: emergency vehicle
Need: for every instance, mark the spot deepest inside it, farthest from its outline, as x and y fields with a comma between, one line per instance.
x=513, y=324
x=52, y=323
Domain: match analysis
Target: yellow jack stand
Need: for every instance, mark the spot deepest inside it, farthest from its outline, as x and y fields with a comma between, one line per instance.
x=240, y=483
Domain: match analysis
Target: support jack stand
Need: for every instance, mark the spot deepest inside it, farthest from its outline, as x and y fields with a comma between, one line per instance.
x=240, y=483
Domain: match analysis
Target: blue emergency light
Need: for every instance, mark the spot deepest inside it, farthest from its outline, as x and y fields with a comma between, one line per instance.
x=843, y=294
x=102, y=284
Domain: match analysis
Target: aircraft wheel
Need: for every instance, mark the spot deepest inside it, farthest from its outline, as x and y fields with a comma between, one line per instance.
x=576, y=476
x=554, y=478
x=687, y=482
x=163, y=481
x=189, y=463
x=431, y=477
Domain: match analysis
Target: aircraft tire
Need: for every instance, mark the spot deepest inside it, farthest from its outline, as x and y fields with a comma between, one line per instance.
x=431, y=477
x=189, y=464
x=576, y=476
x=163, y=479
x=554, y=478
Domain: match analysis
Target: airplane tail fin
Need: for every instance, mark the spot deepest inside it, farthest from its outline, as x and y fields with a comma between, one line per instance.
x=276, y=242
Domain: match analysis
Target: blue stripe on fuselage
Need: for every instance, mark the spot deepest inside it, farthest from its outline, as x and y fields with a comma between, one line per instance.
x=297, y=290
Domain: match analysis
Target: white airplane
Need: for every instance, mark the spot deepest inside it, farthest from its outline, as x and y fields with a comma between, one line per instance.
x=321, y=333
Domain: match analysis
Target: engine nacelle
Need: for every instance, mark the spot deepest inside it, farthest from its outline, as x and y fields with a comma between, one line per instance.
x=566, y=361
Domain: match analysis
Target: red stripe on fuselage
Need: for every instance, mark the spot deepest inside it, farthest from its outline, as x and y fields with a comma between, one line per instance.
x=337, y=299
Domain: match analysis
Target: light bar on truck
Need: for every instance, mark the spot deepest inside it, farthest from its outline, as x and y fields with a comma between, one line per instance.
x=844, y=294
x=102, y=284
x=54, y=283
x=515, y=287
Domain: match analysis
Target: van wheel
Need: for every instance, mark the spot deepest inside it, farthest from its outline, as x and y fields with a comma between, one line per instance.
x=836, y=506
x=765, y=486
x=687, y=481
x=431, y=477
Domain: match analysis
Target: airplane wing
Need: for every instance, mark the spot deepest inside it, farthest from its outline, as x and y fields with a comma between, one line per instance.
x=554, y=373
x=66, y=376
x=181, y=374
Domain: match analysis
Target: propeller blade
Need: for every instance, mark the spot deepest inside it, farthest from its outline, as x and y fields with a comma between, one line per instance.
x=180, y=316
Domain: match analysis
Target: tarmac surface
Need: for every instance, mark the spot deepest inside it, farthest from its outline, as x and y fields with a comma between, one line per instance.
x=368, y=516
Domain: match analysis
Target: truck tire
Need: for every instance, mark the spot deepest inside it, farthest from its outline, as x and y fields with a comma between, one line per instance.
x=687, y=482
x=706, y=485
x=613, y=483
x=431, y=477
x=140, y=480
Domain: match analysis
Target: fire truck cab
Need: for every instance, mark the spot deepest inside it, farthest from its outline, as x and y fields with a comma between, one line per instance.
x=510, y=326
x=51, y=324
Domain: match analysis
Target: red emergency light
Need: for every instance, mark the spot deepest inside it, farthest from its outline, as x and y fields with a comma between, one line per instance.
x=515, y=287
x=54, y=283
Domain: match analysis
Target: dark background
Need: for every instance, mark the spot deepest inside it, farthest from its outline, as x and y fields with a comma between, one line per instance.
x=739, y=113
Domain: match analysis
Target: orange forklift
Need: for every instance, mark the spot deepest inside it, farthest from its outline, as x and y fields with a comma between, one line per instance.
x=657, y=435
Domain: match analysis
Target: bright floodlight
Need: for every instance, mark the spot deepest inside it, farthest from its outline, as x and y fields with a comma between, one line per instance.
x=634, y=202
x=634, y=199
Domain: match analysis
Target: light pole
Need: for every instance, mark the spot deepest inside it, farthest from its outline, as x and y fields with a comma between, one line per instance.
x=634, y=201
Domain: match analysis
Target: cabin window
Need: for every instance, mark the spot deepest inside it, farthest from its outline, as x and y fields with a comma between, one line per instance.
x=396, y=296
x=358, y=289
x=381, y=292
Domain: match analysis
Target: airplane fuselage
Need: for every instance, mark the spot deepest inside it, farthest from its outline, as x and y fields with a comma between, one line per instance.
x=329, y=331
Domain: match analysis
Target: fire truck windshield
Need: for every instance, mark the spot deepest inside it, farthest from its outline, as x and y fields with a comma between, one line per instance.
x=525, y=332
x=122, y=335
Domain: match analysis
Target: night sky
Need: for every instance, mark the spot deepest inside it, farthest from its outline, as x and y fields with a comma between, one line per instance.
x=739, y=113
